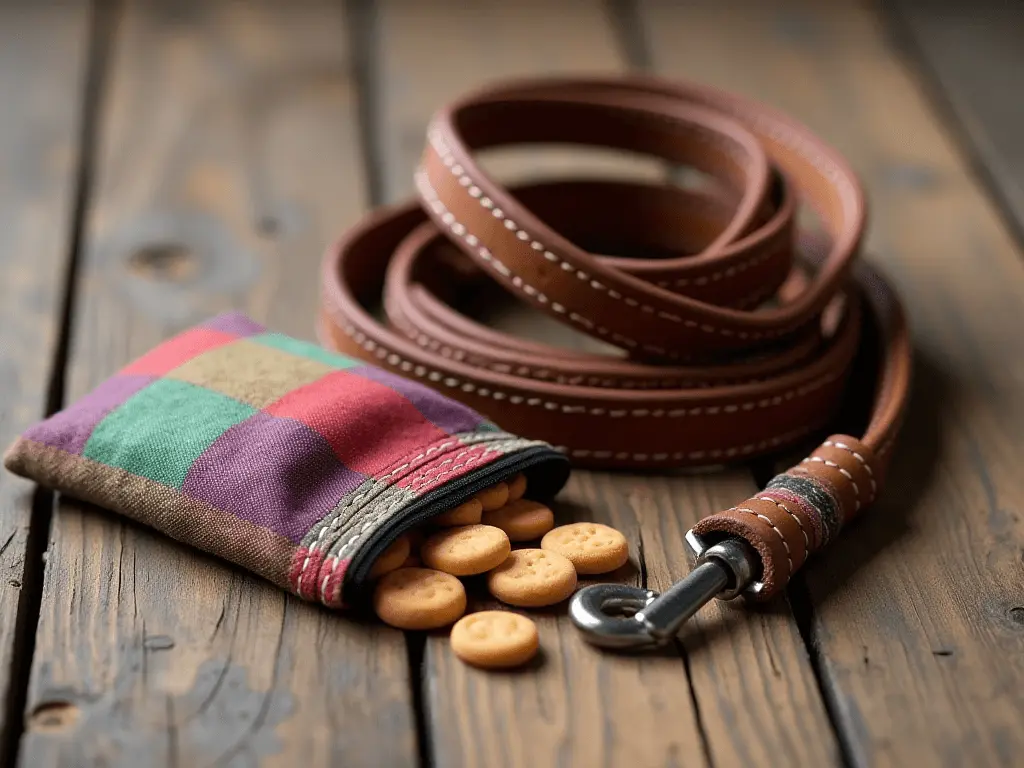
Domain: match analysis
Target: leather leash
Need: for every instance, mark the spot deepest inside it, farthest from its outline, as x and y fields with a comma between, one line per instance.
x=735, y=339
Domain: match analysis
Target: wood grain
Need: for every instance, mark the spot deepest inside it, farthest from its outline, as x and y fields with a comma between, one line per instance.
x=971, y=57
x=42, y=60
x=228, y=158
x=750, y=695
x=919, y=609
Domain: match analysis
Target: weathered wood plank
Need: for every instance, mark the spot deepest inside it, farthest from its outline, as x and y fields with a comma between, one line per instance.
x=228, y=157
x=758, y=702
x=43, y=54
x=920, y=607
x=972, y=56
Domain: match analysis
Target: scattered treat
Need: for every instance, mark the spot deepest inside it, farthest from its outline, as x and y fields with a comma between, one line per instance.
x=495, y=639
x=592, y=547
x=531, y=578
x=521, y=520
x=467, y=550
x=517, y=487
x=391, y=558
x=419, y=598
x=494, y=497
x=417, y=575
x=464, y=514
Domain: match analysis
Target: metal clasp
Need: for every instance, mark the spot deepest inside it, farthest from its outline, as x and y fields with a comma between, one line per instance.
x=623, y=616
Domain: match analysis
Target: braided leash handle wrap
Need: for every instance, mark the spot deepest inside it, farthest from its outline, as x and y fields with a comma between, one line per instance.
x=801, y=510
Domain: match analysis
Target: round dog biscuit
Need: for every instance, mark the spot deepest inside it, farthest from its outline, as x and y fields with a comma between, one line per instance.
x=592, y=547
x=495, y=639
x=464, y=514
x=419, y=598
x=531, y=578
x=493, y=497
x=522, y=520
x=391, y=558
x=466, y=550
x=517, y=487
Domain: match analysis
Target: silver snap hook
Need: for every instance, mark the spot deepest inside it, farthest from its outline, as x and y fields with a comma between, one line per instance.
x=624, y=616
x=606, y=614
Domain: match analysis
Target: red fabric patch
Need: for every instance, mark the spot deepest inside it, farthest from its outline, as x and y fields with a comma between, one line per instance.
x=304, y=570
x=329, y=587
x=177, y=351
x=369, y=426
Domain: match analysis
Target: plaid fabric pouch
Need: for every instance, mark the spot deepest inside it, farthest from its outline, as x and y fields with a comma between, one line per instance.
x=296, y=463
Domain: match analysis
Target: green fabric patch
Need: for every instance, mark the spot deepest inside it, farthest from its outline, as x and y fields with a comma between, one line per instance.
x=159, y=431
x=306, y=349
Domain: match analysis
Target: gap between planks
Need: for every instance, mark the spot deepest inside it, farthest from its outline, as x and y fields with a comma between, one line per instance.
x=95, y=21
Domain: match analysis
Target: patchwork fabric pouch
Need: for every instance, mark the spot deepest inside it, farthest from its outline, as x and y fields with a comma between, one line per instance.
x=296, y=463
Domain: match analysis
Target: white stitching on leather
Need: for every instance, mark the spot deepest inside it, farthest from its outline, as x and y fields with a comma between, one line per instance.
x=446, y=157
x=789, y=557
x=741, y=266
x=468, y=386
x=844, y=472
x=692, y=455
x=439, y=208
x=863, y=463
x=784, y=508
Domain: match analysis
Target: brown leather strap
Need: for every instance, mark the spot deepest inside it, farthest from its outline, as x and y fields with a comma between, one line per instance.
x=735, y=336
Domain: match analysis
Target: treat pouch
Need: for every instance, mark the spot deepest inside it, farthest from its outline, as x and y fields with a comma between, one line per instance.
x=296, y=463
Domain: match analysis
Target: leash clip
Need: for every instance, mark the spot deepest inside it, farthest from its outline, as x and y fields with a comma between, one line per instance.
x=623, y=616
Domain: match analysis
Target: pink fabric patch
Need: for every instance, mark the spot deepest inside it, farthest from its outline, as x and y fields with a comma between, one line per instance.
x=304, y=570
x=329, y=588
x=317, y=578
x=369, y=426
x=178, y=350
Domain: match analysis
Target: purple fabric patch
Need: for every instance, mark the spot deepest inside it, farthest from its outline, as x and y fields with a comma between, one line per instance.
x=273, y=472
x=235, y=323
x=448, y=415
x=69, y=430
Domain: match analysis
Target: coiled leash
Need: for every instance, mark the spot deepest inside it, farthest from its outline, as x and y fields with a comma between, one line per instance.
x=737, y=340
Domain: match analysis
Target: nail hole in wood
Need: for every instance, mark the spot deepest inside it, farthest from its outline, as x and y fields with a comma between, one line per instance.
x=1016, y=615
x=268, y=226
x=53, y=716
x=170, y=262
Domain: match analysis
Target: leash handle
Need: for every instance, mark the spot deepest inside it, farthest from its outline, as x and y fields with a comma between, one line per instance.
x=752, y=549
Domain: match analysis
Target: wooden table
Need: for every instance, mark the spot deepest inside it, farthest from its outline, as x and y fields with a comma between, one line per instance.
x=160, y=162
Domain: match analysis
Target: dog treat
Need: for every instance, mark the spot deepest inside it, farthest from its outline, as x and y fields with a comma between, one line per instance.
x=391, y=558
x=592, y=547
x=464, y=514
x=495, y=639
x=419, y=598
x=494, y=497
x=522, y=520
x=531, y=578
x=466, y=550
x=517, y=487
